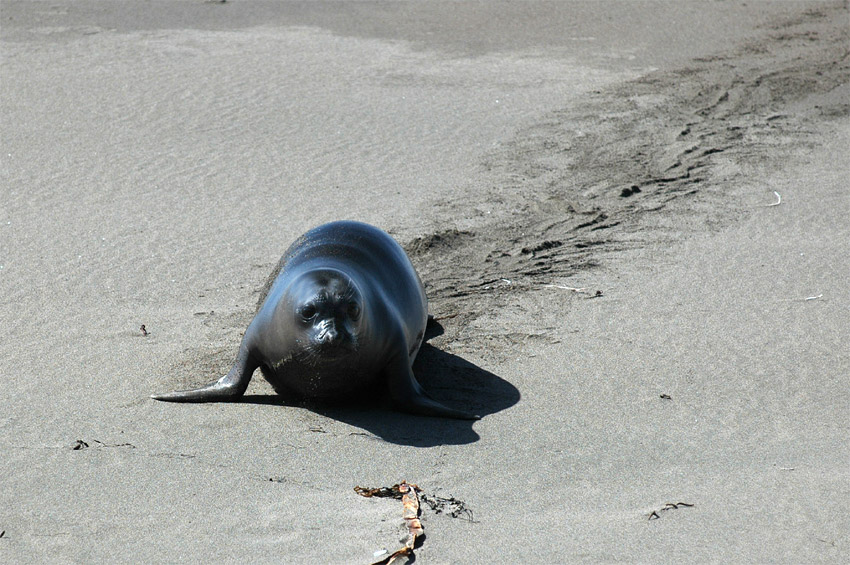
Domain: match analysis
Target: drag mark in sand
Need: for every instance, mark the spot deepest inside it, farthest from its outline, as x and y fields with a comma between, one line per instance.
x=586, y=180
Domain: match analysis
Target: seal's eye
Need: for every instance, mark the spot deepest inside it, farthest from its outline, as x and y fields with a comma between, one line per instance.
x=308, y=312
x=353, y=310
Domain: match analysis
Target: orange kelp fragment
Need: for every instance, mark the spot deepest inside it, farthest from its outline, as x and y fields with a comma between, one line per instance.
x=409, y=494
x=410, y=512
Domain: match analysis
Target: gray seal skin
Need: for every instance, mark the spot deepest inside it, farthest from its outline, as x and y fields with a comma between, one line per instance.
x=346, y=311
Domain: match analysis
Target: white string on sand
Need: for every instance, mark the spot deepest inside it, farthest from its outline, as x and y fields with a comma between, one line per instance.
x=562, y=287
x=778, y=200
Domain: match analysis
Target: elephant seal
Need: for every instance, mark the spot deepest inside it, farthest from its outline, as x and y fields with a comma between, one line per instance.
x=345, y=312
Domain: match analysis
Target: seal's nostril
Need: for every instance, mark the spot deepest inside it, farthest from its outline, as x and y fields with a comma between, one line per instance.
x=328, y=333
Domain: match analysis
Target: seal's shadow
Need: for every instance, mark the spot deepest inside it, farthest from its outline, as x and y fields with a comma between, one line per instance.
x=451, y=380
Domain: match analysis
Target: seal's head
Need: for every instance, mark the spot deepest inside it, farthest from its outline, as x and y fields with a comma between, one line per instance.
x=328, y=308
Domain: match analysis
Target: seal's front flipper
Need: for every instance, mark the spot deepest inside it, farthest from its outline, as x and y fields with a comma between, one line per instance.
x=408, y=396
x=229, y=387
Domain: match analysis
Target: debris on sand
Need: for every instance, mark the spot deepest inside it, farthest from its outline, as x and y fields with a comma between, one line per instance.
x=409, y=494
x=656, y=514
x=778, y=200
x=451, y=506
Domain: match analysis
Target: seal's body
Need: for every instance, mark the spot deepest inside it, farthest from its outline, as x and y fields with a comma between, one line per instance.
x=345, y=312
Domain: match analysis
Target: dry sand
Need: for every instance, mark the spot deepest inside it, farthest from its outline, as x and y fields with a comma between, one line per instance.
x=157, y=157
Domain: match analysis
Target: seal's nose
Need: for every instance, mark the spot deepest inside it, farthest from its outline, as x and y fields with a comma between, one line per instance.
x=328, y=334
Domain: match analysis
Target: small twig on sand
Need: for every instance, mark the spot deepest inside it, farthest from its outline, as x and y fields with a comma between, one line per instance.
x=113, y=444
x=656, y=514
x=778, y=200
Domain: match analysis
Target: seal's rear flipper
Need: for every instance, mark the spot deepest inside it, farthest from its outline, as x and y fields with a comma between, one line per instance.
x=228, y=387
x=408, y=396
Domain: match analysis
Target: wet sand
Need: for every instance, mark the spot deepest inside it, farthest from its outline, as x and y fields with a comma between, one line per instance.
x=630, y=218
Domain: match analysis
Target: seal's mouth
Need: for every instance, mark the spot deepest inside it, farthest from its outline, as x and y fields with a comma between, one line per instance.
x=317, y=354
x=334, y=350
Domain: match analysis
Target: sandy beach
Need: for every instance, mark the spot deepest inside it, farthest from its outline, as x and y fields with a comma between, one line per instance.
x=630, y=217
